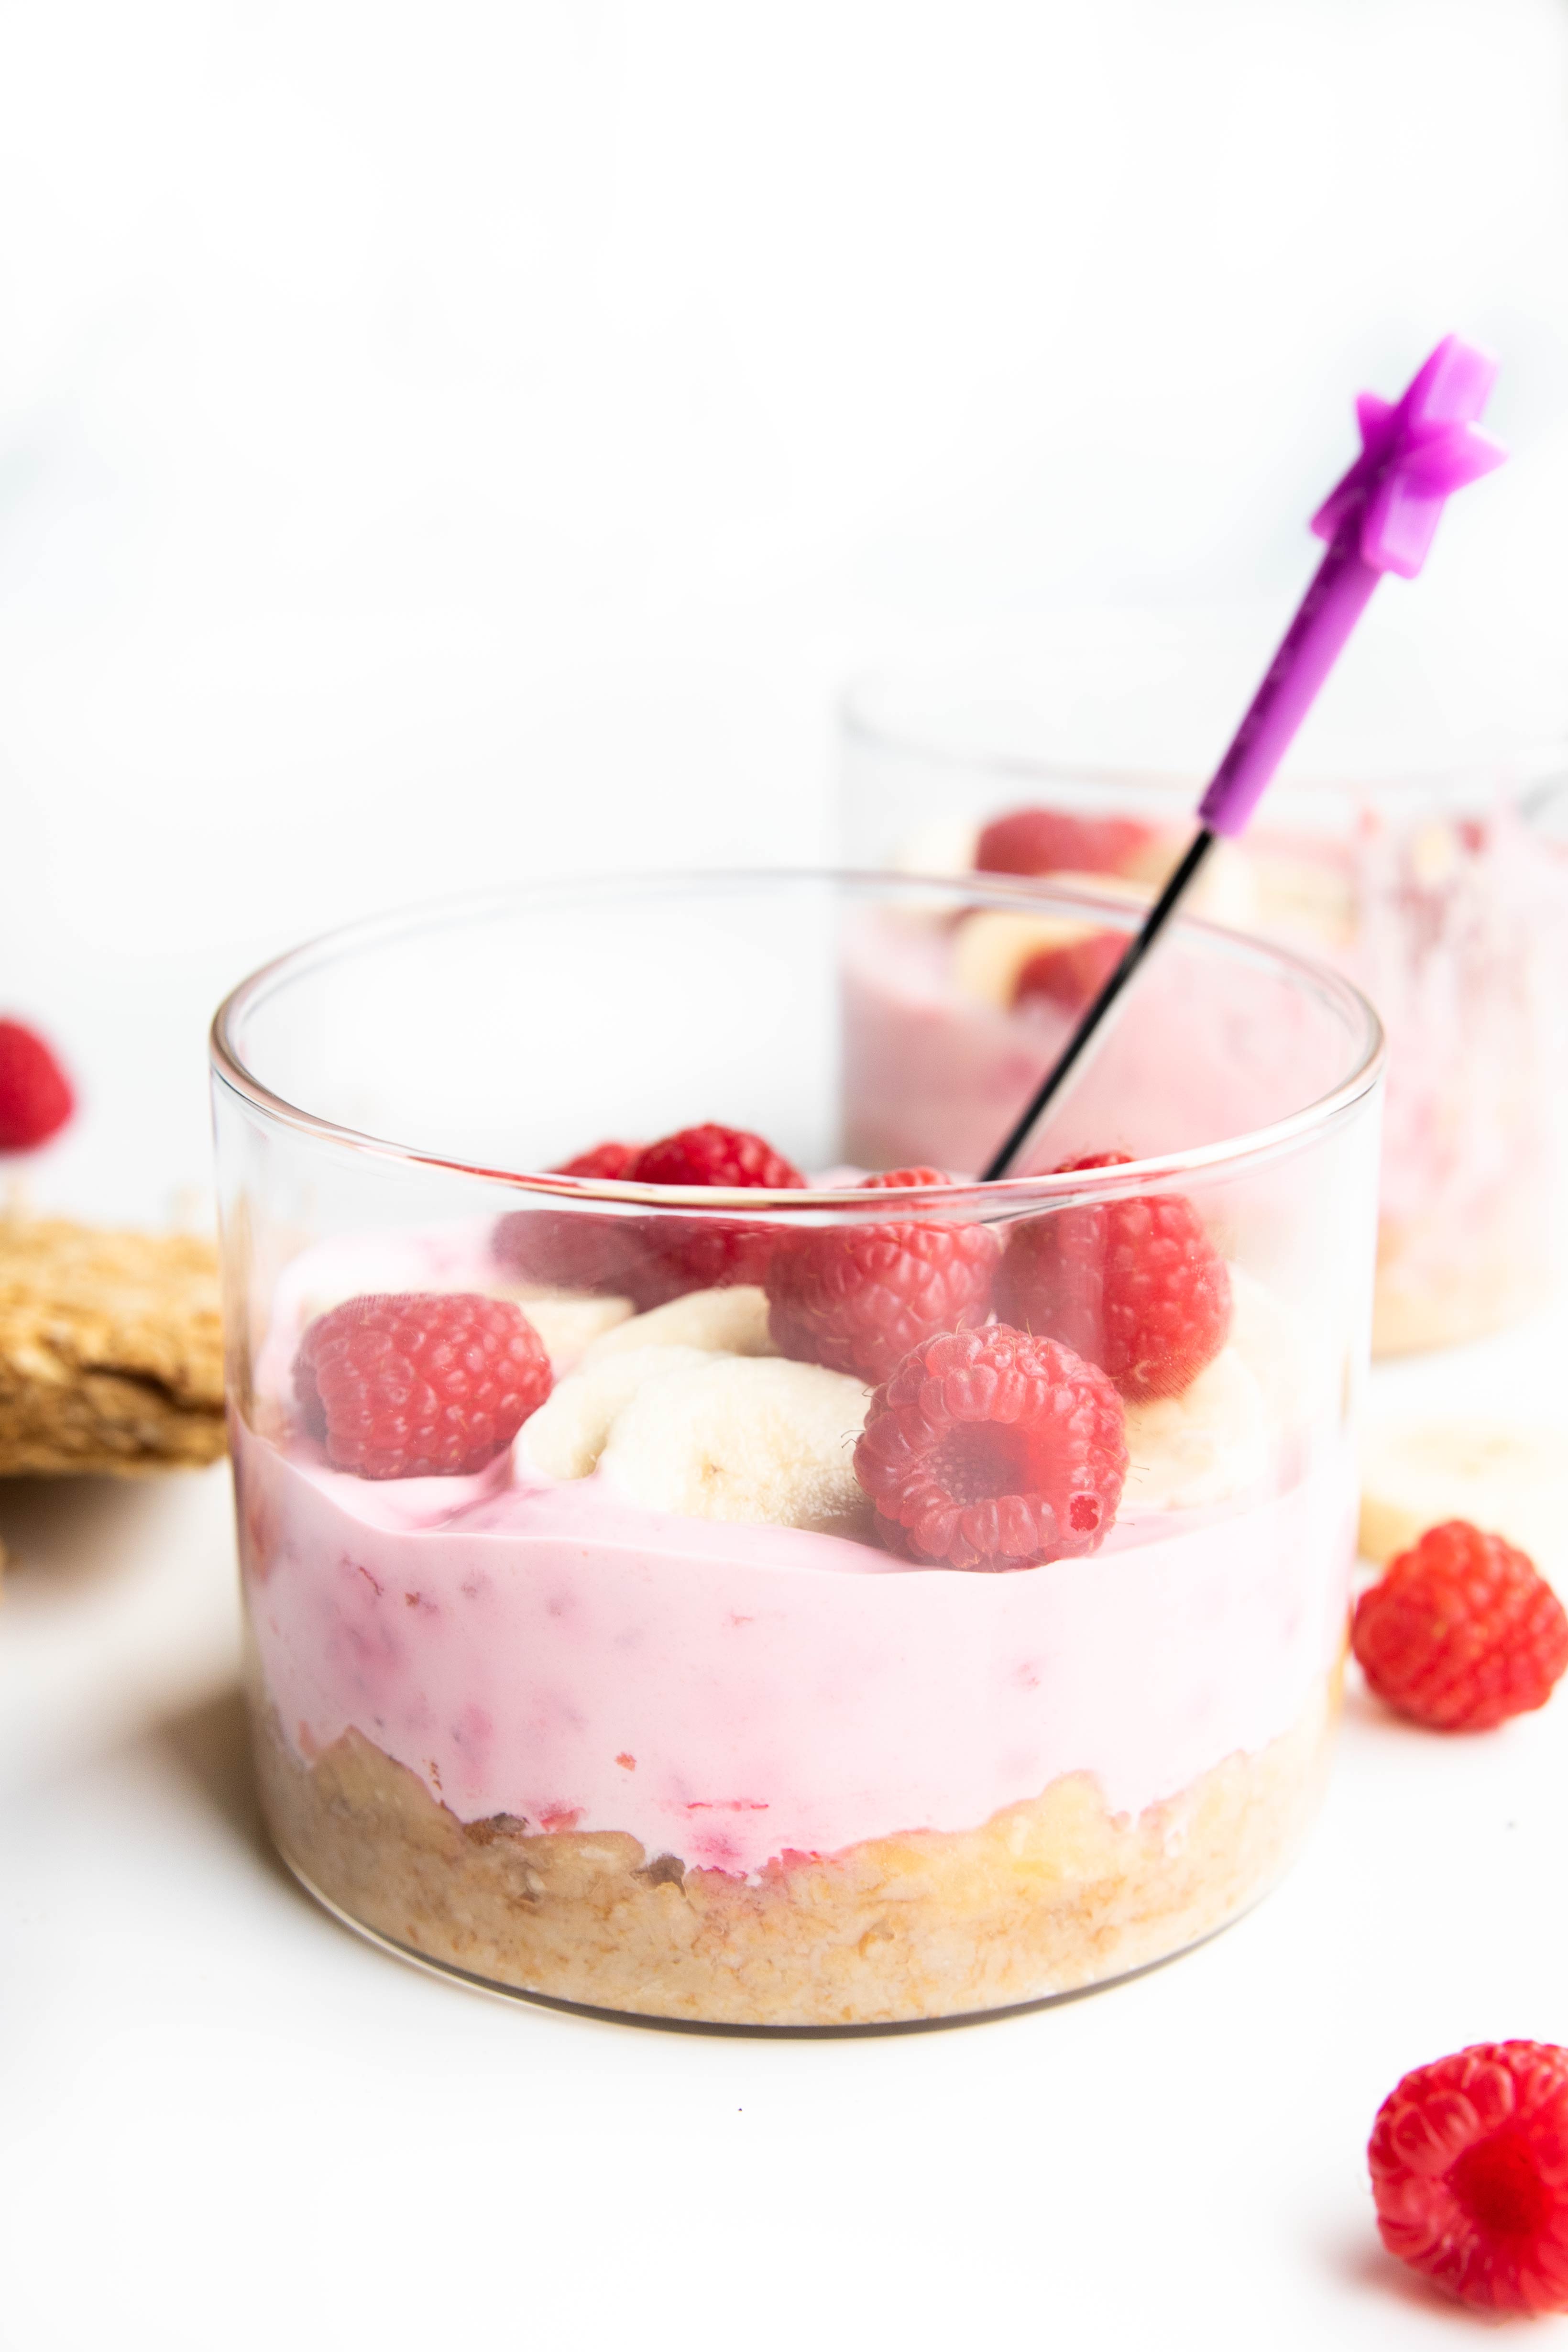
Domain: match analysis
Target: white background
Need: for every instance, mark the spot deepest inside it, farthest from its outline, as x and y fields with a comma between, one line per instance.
x=449, y=441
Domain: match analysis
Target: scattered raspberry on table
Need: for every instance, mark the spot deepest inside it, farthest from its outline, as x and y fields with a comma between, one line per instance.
x=428, y=1384
x=1136, y=1286
x=1052, y=841
x=1460, y=1632
x=858, y=1298
x=35, y=1099
x=1469, y=2173
x=990, y=1449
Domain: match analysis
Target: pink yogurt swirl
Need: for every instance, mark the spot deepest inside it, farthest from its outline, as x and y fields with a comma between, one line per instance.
x=732, y=1695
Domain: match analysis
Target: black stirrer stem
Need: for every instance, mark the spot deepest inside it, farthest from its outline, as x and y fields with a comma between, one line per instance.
x=1077, y=1046
x=1415, y=452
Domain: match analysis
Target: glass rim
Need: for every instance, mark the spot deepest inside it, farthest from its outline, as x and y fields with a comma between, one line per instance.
x=1040, y=895
x=1533, y=765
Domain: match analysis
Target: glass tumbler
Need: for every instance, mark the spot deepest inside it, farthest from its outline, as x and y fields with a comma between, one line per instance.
x=704, y=1583
x=1431, y=890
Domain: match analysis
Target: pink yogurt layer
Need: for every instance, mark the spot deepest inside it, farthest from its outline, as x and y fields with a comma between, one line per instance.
x=931, y=1075
x=733, y=1694
x=1465, y=971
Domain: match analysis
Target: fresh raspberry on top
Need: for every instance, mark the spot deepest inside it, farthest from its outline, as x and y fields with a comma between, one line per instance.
x=898, y=1179
x=1054, y=841
x=1460, y=1632
x=1469, y=2174
x=581, y=1250
x=682, y=1254
x=989, y=1449
x=35, y=1099
x=429, y=1384
x=612, y=1160
x=711, y=1154
x=857, y=1298
x=1135, y=1286
x=1072, y=976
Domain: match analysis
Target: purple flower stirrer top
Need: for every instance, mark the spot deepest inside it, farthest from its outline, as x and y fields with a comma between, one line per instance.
x=1414, y=452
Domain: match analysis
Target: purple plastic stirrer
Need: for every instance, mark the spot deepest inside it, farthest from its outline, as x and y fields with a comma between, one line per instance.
x=1414, y=452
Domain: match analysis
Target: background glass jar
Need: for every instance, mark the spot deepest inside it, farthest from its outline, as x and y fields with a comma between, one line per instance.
x=740, y=1683
x=1430, y=889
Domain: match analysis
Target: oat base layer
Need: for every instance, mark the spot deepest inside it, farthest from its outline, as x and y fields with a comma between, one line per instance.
x=1048, y=1896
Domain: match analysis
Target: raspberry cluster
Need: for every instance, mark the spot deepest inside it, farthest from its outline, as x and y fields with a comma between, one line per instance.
x=427, y=1384
x=1054, y=841
x=991, y=1449
x=653, y=1258
x=858, y=1298
x=571, y=1249
x=682, y=1254
x=1073, y=975
x=1136, y=1285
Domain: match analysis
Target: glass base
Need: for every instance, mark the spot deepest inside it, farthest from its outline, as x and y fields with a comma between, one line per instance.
x=449, y=1972
x=1049, y=1898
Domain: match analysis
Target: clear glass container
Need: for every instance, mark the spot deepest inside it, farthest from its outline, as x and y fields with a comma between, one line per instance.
x=797, y=1603
x=1429, y=890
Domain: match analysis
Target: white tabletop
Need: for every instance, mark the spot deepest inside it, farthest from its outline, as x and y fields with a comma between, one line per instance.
x=227, y=2121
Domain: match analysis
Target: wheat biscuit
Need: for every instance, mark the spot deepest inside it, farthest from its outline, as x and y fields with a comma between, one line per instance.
x=110, y=1350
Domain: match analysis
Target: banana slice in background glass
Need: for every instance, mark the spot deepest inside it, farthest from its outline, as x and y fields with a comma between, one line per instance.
x=1507, y=1477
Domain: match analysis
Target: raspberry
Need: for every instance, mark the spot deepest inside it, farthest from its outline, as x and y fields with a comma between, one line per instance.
x=1469, y=2174
x=990, y=1449
x=426, y=1385
x=35, y=1099
x=681, y=1253
x=1050, y=841
x=859, y=1297
x=1135, y=1286
x=715, y=1155
x=1072, y=976
x=1461, y=1633
x=581, y=1252
x=613, y=1160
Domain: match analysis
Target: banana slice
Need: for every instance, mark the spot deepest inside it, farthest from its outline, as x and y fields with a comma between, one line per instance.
x=1509, y=1478
x=1210, y=1443
x=569, y=1321
x=732, y=1322
x=1290, y=1352
x=1129, y=890
x=567, y=1436
x=944, y=846
x=755, y=1439
x=991, y=948
x=1303, y=897
x=1225, y=890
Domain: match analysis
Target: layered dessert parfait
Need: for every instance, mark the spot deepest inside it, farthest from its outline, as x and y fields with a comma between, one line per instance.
x=1453, y=925
x=828, y=1627
x=713, y=1580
